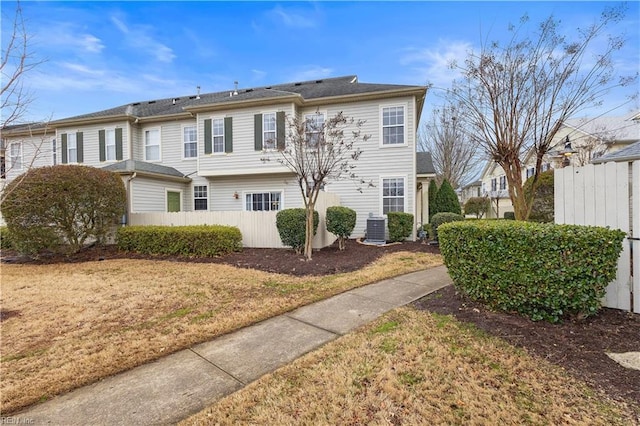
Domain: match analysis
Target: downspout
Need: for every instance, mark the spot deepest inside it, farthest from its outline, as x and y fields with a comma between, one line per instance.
x=129, y=198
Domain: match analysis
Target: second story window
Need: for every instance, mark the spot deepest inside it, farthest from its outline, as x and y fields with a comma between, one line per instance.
x=15, y=154
x=152, y=145
x=503, y=183
x=110, y=143
x=218, y=134
x=269, y=130
x=530, y=171
x=190, y=140
x=393, y=125
x=314, y=125
x=494, y=184
x=72, y=148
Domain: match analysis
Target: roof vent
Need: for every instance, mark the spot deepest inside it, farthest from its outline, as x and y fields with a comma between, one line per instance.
x=318, y=81
x=136, y=104
x=235, y=85
x=298, y=84
x=248, y=90
x=192, y=97
x=152, y=102
x=198, y=92
x=268, y=88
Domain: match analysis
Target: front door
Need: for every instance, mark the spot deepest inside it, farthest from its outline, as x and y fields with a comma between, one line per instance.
x=173, y=201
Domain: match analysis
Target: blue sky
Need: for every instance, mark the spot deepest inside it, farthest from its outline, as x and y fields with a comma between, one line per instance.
x=104, y=54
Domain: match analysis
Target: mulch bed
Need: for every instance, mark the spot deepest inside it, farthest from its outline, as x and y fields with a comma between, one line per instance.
x=577, y=346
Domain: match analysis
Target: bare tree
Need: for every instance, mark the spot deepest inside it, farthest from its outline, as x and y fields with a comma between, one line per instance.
x=516, y=96
x=318, y=151
x=454, y=154
x=17, y=60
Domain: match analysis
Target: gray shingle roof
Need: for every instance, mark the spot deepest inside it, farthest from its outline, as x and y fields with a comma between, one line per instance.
x=143, y=167
x=424, y=163
x=312, y=89
x=630, y=153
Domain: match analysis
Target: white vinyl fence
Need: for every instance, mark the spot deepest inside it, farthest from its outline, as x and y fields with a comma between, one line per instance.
x=258, y=228
x=606, y=195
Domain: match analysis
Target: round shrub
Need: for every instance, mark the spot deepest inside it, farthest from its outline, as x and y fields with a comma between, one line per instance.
x=291, y=224
x=400, y=225
x=341, y=221
x=5, y=238
x=478, y=206
x=440, y=218
x=543, y=199
x=542, y=271
x=59, y=208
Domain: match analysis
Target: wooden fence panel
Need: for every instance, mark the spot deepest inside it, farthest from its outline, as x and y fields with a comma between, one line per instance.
x=258, y=228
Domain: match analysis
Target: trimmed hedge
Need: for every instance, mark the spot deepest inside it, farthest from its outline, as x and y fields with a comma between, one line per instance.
x=440, y=218
x=542, y=271
x=400, y=225
x=204, y=240
x=291, y=224
x=340, y=222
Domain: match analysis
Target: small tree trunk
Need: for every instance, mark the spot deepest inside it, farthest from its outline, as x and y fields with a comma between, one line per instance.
x=308, y=242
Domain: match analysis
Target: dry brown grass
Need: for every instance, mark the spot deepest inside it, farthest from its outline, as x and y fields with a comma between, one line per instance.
x=412, y=367
x=78, y=323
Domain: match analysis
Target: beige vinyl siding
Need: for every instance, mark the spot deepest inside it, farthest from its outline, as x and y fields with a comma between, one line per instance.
x=244, y=159
x=222, y=189
x=171, y=145
x=37, y=151
x=91, y=146
x=376, y=161
x=149, y=195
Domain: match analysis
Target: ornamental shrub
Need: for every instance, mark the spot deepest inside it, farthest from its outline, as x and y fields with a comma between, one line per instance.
x=341, y=221
x=542, y=271
x=400, y=225
x=203, y=240
x=440, y=218
x=478, y=206
x=447, y=201
x=59, y=208
x=5, y=238
x=433, y=193
x=291, y=224
x=542, y=209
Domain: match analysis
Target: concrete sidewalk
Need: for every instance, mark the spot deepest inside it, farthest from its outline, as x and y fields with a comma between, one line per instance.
x=181, y=384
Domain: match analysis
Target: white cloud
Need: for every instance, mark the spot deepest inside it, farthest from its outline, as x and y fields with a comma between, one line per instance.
x=68, y=35
x=258, y=75
x=293, y=18
x=139, y=37
x=310, y=73
x=433, y=63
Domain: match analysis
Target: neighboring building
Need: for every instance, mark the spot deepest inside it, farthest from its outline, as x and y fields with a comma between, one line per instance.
x=588, y=140
x=473, y=189
x=203, y=151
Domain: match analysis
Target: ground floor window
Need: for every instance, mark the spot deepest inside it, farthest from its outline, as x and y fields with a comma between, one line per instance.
x=263, y=201
x=200, y=197
x=392, y=195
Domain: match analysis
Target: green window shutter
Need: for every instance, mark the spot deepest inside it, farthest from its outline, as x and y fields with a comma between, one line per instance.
x=80, y=146
x=119, y=144
x=173, y=201
x=228, y=134
x=257, y=128
x=102, y=144
x=208, y=146
x=63, y=147
x=280, y=130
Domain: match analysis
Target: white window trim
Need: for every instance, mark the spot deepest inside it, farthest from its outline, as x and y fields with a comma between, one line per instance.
x=144, y=144
x=11, y=156
x=381, y=126
x=261, y=191
x=106, y=145
x=75, y=135
x=275, y=139
x=166, y=198
x=200, y=198
x=406, y=192
x=213, y=136
x=183, y=141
